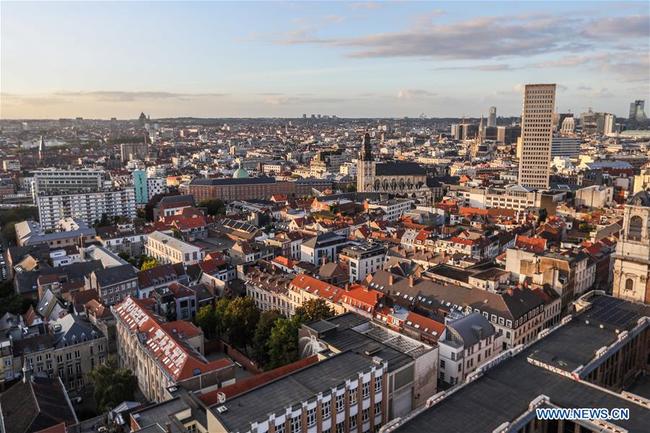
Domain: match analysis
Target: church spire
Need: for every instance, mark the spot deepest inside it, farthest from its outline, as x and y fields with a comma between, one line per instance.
x=366, y=149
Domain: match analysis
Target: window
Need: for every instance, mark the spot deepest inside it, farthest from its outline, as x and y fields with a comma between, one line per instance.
x=279, y=428
x=377, y=409
x=365, y=390
x=340, y=427
x=635, y=228
x=377, y=384
x=295, y=424
x=365, y=415
x=353, y=423
x=442, y=363
x=311, y=417
x=629, y=284
x=326, y=409
x=340, y=403
x=353, y=396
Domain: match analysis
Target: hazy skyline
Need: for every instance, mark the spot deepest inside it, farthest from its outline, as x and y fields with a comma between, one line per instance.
x=370, y=59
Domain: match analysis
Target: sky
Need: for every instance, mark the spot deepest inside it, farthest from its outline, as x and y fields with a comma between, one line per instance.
x=350, y=59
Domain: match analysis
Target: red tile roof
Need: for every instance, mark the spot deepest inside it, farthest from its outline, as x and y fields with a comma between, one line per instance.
x=424, y=324
x=173, y=356
x=536, y=245
x=317, y=287
x=361, y=296
x=245, y=385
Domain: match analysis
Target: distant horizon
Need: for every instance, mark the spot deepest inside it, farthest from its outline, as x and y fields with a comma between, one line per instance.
x=349, y=59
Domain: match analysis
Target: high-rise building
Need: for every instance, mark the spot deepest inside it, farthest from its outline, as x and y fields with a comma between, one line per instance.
x=130, y=151
x=140, y=184
x=79, y=194
x=637, y=111
x=536, y=133
x=609, y=121
x=41, y=148
x=492, y=117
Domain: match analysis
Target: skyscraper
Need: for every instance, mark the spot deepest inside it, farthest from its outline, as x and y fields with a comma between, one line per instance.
x=637, y=111
x=41, y=148
x=492, y=117
x=536, y=133
x=140, y=184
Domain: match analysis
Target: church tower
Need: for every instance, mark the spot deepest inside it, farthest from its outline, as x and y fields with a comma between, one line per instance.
x=632, y=258
x=365, y=166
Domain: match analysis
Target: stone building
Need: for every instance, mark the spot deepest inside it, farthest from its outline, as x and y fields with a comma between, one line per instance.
x=632, y=257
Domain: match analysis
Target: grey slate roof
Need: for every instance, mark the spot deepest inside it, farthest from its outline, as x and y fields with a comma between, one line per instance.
x=504, y=392
x=400, y=168
x=471, y=328
x=115, y=275
x=276, y=396
x=34, y=405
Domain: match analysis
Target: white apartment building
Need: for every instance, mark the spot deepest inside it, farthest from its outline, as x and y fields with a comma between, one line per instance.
x=464, y=345
x=536, y=133
x=87, y=207
x=168, y=249
x=57, y=181
x=394, y=208
x=514, y=197
x=363, y=259
x=156, y=185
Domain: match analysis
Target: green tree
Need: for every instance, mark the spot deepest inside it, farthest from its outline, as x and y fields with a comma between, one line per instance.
x=112, y=385
x=213, y=207
x=312, y=310
x=283, y=342
x=220, y=317
x=148, y=263
x=241, y=318
x=206, y=319
x=10, y=301
x=262, y=335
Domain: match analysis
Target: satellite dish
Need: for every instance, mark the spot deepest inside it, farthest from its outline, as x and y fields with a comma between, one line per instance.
x=221, y=397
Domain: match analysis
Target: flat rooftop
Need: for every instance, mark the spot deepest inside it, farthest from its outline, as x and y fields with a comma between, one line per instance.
x=274, y=397
x=505, y=391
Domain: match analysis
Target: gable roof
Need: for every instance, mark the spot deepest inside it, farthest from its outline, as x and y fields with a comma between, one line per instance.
x=36, y=404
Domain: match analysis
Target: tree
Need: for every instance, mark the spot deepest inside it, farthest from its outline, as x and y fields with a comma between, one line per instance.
x=283, y=342
x=206, y=319
x=213, y=207
x=10, y=301
x=312, y=310
x=112, y=385
x=262, y=335
x=220, y=316
x=241, y=318
x=148, y=263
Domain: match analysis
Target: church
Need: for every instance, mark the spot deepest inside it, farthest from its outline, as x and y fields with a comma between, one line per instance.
x=632, y=258
x=395, y=177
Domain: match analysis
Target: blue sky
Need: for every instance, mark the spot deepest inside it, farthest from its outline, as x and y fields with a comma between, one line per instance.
x=350, y=59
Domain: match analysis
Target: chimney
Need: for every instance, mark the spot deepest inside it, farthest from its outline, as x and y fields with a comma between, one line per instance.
x=347, y=287
x=390, y=279
x=410, y=280
x=168, y=427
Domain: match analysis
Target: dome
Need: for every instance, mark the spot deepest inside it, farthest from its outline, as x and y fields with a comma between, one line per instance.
x=240, y=173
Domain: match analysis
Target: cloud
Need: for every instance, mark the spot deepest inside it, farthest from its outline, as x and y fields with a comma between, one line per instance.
x=281, y=99
x=128, y=96
x=496, y=67
x=366, y=5
x=414, y=94
x=488, y=37
x=634, y=26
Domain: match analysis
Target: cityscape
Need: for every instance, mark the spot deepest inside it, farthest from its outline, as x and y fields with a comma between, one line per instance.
x=325, y=217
